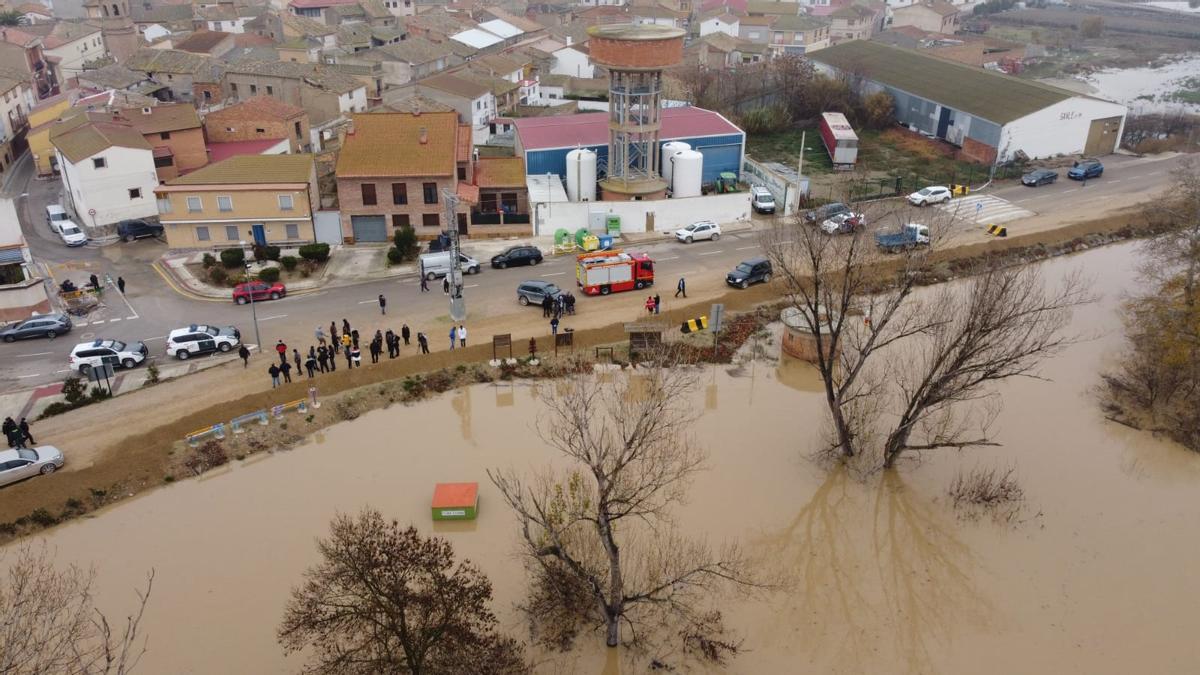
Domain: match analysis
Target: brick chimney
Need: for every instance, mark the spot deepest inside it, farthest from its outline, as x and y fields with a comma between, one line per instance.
x=423, y=136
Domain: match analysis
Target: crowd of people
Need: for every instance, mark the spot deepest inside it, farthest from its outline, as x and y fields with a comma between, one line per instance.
x=17, y=432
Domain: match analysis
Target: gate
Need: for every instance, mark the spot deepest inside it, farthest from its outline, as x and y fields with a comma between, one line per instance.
x=369, y=228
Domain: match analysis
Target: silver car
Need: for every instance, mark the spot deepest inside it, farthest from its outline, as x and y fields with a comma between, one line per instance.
x=22, y=463
x=43, y=325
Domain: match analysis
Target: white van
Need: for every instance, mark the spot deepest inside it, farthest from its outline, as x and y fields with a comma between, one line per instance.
x=434, y=265
x=762, y=200
x=55, y=214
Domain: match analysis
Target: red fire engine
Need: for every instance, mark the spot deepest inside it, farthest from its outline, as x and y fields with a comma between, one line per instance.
x=603, y=272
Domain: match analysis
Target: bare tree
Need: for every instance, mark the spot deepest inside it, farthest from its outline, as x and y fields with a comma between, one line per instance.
x=599, y=536
x=384, y=599
x=49, y=624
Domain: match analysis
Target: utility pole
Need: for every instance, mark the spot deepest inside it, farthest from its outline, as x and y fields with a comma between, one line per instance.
x=458, y=305
x=253, y=311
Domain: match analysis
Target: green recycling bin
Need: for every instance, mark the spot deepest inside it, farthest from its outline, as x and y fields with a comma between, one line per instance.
x=613, y=222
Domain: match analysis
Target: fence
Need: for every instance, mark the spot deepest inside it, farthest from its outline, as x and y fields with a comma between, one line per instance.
x=261, y=417
x=897, y=186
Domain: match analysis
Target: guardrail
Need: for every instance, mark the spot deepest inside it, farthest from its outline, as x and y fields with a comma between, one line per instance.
x=262, y=417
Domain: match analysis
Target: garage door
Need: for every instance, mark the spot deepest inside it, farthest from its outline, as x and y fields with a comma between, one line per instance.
x=1102, y=136
x=369, y=228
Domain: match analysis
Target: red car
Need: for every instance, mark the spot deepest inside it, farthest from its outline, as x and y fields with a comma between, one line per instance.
x=259, y=290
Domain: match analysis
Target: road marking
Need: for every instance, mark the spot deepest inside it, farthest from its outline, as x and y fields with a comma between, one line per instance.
x=114, y=320
x=674, y=257
x=745, y=248
x=471, y=286
x=1111, y=182
x=277, y=316
x=554, y=274
x=130, y=318
x=710, y=252
x=22, y=377
x=160, y=337
x=786, y=241
x=37, y=354
x=64, y=370
x=366, y=302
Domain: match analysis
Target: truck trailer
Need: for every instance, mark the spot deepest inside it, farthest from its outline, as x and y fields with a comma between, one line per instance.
x=840, y=140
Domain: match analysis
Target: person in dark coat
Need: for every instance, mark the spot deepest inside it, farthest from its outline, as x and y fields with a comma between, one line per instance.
x=382, y=304
x=554, y=326
x=376, y=347
x=296, y=358
x=333, y=333
x=323, y=359
x=274, y=371
x=10, y=432
x=333, y=352
x=546, y=304
x=390, y=339
x=405, y=333
x=23, y=427
x=286, y=369
x=121, y=285
x=354, y=338
x=94, y=282
x=311, y=366
x=245, y=354
x=424, y=284
x=424, y=342
x=657, y=303
x=681, y=288
x=345, y=326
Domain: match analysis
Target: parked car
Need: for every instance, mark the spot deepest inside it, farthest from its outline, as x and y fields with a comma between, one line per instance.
x=17, y=465
x=911, y=235
x=703, y=229
x=533, y=292
x=184, y=343
x=517, y=255
x=1085, y=168
x=71, y=234
x=934, y=194
x=749, y=272
x=842, y=223
x=137, y=229
x=258, y=290
x=55, y=213
x=1039, y=177
x=762, y=200
x=821, y=213
x=434, y=265
x=42, y=325
x=88, y=355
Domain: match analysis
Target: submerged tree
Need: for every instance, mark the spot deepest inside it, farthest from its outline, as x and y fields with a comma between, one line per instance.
x=384, y=599
x=599, y=536
x=50, y=624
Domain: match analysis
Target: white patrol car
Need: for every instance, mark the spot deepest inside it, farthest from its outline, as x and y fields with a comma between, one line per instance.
x=184, y=343
x=88, y=355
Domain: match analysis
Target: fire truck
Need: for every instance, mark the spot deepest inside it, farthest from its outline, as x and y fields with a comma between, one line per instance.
x=603, y=272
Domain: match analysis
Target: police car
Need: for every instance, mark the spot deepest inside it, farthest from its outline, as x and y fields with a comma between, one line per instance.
x=184, y=343
x=88, y=355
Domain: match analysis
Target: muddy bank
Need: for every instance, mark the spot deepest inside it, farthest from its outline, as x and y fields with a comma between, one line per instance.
x=141, y=459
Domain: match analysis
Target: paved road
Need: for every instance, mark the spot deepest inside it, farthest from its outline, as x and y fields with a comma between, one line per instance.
x=152, y=309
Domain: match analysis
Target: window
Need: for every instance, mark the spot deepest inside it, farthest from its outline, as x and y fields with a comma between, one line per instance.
x=233, y=88
x=429, y=219
x=253, y=89
x=224, y=203
x=399, y=193
x=207, y=95
x=229, y=129
x=430, y=190
x=98, y=163
x=231, y=233
x=202, y=233
x=400, y=220
x=166, y=135
x=194, y=205
x=160, y=162
x=462, y=173
x=164, y=204
x=299, y=135
x=292, y=231
x=270, y=90
x=368, y=194
x=135, y=193
x=260, y=131
x=285, y=202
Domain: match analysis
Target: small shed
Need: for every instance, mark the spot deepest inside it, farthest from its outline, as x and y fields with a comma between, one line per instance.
x=455, y=501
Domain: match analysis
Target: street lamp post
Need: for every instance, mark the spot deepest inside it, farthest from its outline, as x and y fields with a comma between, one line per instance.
x=253, y=311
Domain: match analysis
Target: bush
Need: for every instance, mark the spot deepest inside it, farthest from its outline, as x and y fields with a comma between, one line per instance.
x=395, y=257
x=767, y=120
x=98, y=394
x=218, y=276
x=57, y=408
x=1091, y=26
x=406, y=243
x=74, y=390
x=209, y=260
x=233, y=257
x=152, y=374
x=269, y=274
x=263, y=253
x=289, y=262
x=315, y=252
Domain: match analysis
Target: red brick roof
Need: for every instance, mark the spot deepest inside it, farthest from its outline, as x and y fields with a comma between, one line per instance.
x=462, y=150
x=388, y=144
x=500, y=172
x=222, y=151
x=256, y=108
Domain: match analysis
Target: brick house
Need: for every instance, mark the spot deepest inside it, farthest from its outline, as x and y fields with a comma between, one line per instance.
x=935, y=16
x=260, y=118
x=324, y=92
x=503, y=204
x=175, y=134
x=855, y=22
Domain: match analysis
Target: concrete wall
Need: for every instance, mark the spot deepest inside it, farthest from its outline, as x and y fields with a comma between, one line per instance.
x=1060, y=129
x=19, y=301
x=226, y=131
x=668, y=214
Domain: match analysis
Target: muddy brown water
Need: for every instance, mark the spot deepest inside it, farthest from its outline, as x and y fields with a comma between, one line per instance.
x=882, y=576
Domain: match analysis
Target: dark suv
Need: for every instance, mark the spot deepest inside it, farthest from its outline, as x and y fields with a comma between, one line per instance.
x=823, y=213
x=749, y=272
x=137, y=229
x=1085, y=168
x=517, y=255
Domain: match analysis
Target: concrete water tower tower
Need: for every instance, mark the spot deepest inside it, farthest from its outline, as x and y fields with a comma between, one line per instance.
x=635, y=56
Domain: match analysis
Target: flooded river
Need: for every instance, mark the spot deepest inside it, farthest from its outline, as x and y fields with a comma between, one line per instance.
x=883, y=577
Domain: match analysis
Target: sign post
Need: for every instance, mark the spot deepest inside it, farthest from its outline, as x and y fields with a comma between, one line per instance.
x=102, y=372
x=715, y=316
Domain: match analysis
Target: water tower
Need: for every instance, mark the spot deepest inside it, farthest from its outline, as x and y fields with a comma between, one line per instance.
x=635, y=56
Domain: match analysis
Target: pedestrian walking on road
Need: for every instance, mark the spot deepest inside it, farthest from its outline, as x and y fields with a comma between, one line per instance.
x=320, y=333
x=681, y=288
x=23, y=427
x=554, y=326
x=323, y=359
x=356, y=356
x=462, y=336
x=296, y=358
x=281, y=350
x=13, y=434
x=346, y=351
x=657, y=303
x=245, y=354
x=286, y=369
x=345, y=326
x=311, y=366
x=453, y=334
x=274, y=371
x=94, y=282
x=333, y=334
x=424, y=342
x=382, y=304
x=446, y=284
x=405, y=333
x=649, y=304
x=424, y=284
x=121, y=285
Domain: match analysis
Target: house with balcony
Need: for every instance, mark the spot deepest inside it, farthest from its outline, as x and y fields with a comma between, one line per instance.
x=798, y=34
x=41, y=117
x=71, y=44
x=14, y=120
x=261, y=199
x=107, y=170
x=856, y=21
x=22, y=54
x=257, y=119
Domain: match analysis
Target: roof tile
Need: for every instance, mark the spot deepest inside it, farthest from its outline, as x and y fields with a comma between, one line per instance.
x=251, y=169
x=361, y=154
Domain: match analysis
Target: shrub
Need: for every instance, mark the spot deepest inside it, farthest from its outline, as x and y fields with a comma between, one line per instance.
x=766, y=120
x=315, y=252
x=263, y=253
x=43, y=517
x=395, y=257
x=233, y=257
x=56, y=408
x=1091, y=26
x=152, y=374
x=74, y=390
x=209, y=260
x=217, y=276
x=98, y=394
x=289, y=262
x=406, y=243
x=269, y=274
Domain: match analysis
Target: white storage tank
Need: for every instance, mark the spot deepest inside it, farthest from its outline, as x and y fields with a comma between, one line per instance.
x=686, y=174
x=668, y=151
x=581, y=175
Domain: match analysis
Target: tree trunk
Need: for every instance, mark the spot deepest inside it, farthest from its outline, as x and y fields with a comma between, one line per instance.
x=612, y=629
x=896, y=442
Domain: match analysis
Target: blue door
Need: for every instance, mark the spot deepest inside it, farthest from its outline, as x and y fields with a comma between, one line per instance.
x=260, y=234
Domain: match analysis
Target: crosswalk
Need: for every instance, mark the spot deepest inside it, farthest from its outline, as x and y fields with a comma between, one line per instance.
x=984, y=209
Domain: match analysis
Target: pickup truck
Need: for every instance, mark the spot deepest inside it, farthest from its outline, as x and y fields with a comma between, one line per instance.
x=909, y=236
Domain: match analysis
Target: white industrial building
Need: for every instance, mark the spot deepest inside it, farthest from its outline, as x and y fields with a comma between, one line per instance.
x=990, y=115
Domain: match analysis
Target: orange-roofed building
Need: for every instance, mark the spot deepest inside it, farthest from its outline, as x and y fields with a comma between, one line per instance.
x=259, y=118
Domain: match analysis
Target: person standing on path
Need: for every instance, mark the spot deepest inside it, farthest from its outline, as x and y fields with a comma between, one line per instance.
x=354, y=337
x=320, y=334
x=462, y=335
x=346, y=351
x=657, y=303
x=346, y=341
x=296, y=358
x=333, y=334
x=23, y=427
x=245, y=354
x=281, y=350
x=405, y=333
x=554, y=326
x=424, y=284
x=390, y=338
x=382, y=304
x=286, y=369
x=649, y=304
x=274, y=371
x=453, y=334
x=333, y=352
x=546, y=302
x=121, y=285
x=323, y=359
x=375, y=349
x=345, y=326
x=681, y=288
x=424, y=342
x=311, y=366
x=356, y=356
x=94, y=282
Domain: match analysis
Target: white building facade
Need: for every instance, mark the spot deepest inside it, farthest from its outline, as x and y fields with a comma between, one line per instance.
x=109, y=186
x=73, y=54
